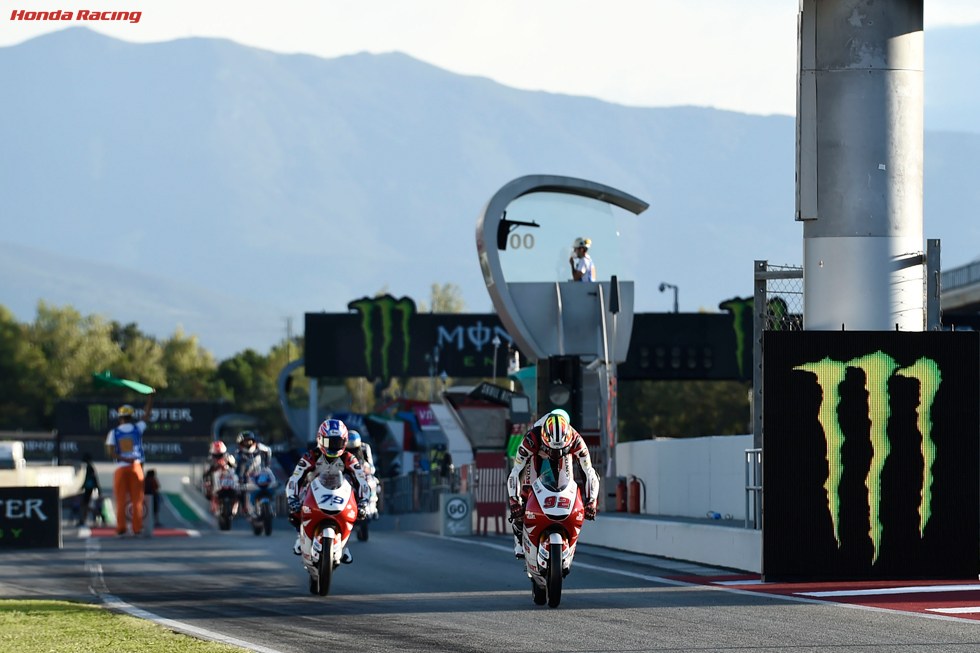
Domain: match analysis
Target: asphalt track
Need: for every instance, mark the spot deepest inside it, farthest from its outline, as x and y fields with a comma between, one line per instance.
x=411, y=591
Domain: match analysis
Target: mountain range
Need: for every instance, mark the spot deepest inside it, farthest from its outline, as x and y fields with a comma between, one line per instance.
x=228, y=187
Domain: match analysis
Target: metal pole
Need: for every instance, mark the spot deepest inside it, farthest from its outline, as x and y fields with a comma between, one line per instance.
x=561, y=329
x=759, y=313
x=859, y=163
x=934, y=276
x=676, y=309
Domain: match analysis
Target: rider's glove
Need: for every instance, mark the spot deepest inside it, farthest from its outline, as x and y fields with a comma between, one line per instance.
x=590, y=511
x=516, y=510
x=295, y=504
x=362, y=506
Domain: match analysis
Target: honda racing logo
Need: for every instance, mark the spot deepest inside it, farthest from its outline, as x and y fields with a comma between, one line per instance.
x=878, y=369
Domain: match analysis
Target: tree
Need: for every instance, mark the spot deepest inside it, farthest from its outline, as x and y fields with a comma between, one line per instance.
x=681, y=409
x=189, y=368
x=22, y=385
x=447, y=298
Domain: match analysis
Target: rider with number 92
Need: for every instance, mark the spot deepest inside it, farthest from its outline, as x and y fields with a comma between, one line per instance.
x=329, y=454
x=554, y=440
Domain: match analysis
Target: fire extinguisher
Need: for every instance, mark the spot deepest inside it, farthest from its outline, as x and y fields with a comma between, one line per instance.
x=634, y=495
x=621, y=495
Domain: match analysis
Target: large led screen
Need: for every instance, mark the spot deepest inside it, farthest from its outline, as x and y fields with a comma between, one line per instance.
x=871, y=462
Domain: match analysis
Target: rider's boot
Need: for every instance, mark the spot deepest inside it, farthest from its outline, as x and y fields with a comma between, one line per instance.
x=298, y=546
x=346, y=557
x=518, y=529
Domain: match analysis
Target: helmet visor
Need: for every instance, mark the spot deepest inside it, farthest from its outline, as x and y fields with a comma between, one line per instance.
x=335, y=444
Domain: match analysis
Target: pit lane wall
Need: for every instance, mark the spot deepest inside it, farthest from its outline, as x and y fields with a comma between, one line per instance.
x=685, y=479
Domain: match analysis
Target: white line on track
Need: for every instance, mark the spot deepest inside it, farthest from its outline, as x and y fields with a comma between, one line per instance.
x=98, y=587
x=877, y=591
x=966, y=610
x=713, y=587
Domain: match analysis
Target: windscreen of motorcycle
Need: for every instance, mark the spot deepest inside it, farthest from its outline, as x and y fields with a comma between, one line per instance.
x=556, y=505
x=330, y=497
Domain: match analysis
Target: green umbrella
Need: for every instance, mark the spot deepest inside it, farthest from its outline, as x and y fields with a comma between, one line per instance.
x=107, y=379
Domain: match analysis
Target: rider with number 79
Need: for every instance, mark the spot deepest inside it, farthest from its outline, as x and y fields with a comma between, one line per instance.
x=553, y=439
x=329, y=455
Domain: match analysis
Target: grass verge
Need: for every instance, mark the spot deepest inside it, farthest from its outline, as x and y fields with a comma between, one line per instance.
x=28, y=626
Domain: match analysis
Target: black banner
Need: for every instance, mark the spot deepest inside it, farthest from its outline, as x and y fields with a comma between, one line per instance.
x=174, y=418
x=871, y=455
x=691, y=345
x=387, y=338
x=156, y=448
x=30, y=518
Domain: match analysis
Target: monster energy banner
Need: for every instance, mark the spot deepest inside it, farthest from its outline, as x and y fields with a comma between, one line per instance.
x=692, y=345
x=171, y=417
x=871, y=455
x=384, y=337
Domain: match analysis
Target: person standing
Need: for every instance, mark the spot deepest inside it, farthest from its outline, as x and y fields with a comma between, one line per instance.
x=124, y=444
x=89, y=485
x=151, y=488
x=583, y=269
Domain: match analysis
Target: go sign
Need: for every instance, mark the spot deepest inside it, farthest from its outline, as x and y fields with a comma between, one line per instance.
x=457, y=509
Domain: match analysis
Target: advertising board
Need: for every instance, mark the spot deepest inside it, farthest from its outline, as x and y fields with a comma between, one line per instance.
x=871, y=460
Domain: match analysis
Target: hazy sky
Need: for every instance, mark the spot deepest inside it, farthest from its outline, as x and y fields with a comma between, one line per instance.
x=720, y=53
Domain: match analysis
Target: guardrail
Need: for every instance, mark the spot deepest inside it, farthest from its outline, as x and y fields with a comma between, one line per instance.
x=961, y=276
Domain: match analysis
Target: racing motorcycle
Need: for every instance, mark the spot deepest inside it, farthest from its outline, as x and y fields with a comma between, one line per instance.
x=224, y=501
x=262, y=510
x=370, y=512
x=328, y=515
x=552, y=522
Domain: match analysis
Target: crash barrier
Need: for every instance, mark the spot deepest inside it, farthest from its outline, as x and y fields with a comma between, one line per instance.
x=753, y=488
x=456, y=514
x=415, y=492
x=30, y=518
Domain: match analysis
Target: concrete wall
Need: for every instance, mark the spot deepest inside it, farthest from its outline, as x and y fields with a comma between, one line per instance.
x=689, y=477
x=707, y=544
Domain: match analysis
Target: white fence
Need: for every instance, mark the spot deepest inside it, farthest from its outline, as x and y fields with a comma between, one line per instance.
x=689, y=477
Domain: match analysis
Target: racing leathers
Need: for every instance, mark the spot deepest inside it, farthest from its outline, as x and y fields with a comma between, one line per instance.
x=527, y=465
x=227, y=461
x=250, y=463
x=364, y=455
x=312, y=464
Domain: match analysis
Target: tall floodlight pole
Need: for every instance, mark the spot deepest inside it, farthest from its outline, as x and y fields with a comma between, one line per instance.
x=859, y=163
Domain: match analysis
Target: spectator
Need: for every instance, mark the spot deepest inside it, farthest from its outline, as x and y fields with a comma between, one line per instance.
x=583, y=269
x=151, y=487
x=124, y=444
x=89, y=485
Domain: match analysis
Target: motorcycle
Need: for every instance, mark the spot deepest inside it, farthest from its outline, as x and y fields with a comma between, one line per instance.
x=552, y=523
x=224, y=501
x=328, y=515
x=370, y=513
x=262, y=510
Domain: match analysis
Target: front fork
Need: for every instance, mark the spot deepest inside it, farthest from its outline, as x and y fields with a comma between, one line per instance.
x=544, y=551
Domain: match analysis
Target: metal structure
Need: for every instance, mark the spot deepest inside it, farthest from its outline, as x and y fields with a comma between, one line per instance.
x=859, y=163
x=753, y=488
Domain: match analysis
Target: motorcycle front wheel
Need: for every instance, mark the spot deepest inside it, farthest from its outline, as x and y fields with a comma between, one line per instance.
x=554, y=576
x=362, y=531
x=325, y=568
x=267, y=518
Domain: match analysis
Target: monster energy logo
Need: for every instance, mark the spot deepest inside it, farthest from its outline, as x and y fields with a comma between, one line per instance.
x=738, y=309
x=98, y=417
x=878, y=369
x=386, y=306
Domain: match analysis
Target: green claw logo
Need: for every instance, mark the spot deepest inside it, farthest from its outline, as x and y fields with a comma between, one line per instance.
x=878, y=369
x=385, y=306
x=98, y=417
x=739, y=309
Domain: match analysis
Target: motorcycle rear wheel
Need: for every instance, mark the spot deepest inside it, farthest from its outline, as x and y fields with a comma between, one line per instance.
x=539, y=594
x=257, y=529
x=362, y=531
x=554, y=576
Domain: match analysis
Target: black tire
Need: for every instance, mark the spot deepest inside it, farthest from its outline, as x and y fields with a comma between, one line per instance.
x=266, y=519
x=257, y=529
x=325, y=567
x=314, y=586
x=554, y=576
x=362, y=531
x=539, y=594
x=224, y=523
